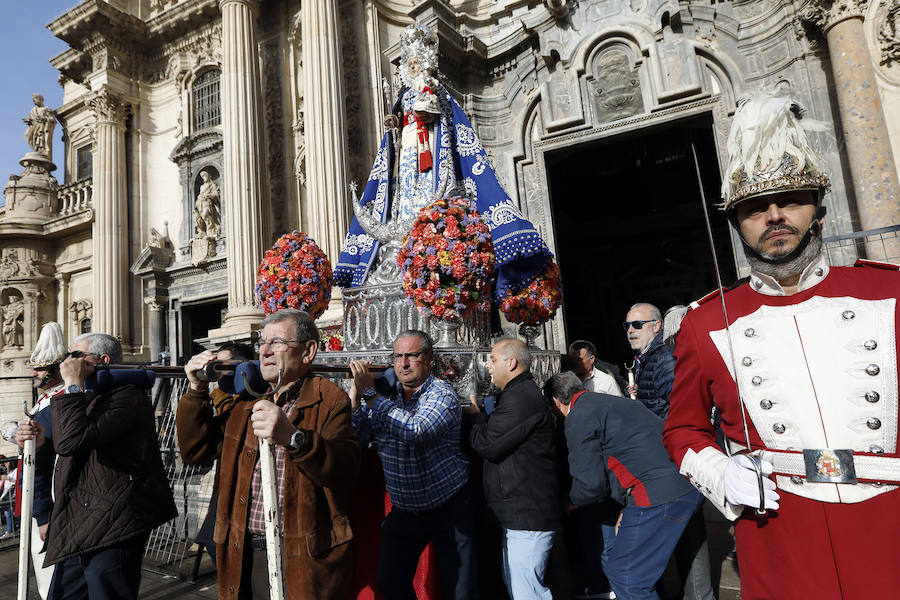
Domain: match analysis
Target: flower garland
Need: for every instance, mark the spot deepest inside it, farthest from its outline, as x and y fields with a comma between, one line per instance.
x=448, y=260
x=294, y=273
x=537, y=302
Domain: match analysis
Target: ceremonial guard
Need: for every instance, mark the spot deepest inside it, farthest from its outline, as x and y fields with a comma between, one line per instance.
x=801, y=361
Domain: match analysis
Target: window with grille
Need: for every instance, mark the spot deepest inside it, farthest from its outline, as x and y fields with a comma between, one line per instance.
x=207, y=105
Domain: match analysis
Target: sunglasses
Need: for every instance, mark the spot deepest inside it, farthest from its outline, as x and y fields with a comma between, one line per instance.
x=637, y=324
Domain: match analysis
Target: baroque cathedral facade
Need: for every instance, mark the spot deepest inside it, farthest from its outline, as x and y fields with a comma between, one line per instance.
x=198, y=131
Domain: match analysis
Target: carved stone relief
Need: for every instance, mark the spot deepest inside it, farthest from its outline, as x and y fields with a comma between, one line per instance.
x=615, y=87
x=353, y=77
x=12, y=267
x=272, y=75
x=889, y=32
x=81, y=310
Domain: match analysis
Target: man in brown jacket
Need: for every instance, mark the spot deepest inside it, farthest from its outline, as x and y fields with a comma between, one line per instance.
x=317, y=463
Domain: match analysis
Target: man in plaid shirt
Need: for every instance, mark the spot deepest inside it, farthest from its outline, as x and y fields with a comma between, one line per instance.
x=416, y=427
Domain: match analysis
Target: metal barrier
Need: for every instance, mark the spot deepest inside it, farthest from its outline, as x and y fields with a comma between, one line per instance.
x=882, y=244
x=171, y=543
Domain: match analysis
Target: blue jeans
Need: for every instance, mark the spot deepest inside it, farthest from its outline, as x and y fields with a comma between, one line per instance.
x=110, y=573
x=647, y=536
x=525, y=555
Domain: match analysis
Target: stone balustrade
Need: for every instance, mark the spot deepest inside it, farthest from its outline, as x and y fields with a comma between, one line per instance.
x=75, y=197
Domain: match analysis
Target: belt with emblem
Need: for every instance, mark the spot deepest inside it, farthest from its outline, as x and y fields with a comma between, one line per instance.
x=832, y=465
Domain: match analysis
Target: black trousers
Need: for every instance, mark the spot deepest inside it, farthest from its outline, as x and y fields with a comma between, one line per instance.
x=110, y=573
x=404, y=536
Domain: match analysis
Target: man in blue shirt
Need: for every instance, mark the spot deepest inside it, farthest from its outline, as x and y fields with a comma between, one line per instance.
x=416, y=426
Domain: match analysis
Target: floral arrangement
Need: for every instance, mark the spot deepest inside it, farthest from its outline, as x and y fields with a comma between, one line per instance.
x=331, y=338
x=448, y=260
x=294, y=273
x=537, y=302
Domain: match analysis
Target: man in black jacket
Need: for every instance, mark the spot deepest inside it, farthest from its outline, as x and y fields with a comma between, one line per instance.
x=615, y=449
x=654, y=370
x=109, y=484
x=520, y=483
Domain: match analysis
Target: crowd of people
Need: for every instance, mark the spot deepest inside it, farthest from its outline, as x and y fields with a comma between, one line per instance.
x=799, y=360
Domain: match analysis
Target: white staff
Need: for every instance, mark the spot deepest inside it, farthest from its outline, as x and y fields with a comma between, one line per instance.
x=274, y=545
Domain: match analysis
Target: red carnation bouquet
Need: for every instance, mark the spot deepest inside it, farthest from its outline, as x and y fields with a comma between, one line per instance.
x=537, y=302
x=294, y=273
x=448, y=260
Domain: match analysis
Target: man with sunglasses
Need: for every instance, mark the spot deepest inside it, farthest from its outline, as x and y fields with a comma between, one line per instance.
x=654, y=369
x=416, y=426
x=307, y=419
x=109, y=485
x=804, y=371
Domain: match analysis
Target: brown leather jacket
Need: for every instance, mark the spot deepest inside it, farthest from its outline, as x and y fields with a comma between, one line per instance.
x=110, y=483
x=317, y=559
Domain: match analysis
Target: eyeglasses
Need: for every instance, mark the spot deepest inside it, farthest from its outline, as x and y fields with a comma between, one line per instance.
x=276, y=344
x=412, y=356
x=637, y=324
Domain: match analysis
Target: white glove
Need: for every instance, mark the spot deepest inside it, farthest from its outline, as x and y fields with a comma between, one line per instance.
x=742, y=483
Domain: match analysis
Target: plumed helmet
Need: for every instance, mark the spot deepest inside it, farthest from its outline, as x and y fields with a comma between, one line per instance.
x=769, y=150
x=50, y=348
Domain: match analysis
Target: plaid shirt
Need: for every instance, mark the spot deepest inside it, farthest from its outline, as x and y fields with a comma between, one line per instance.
x=256, y=523
x=418, y=444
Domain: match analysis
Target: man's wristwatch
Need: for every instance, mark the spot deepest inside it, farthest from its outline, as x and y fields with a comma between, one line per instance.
x=74, y=389
x=369, y=394
x=298, y=440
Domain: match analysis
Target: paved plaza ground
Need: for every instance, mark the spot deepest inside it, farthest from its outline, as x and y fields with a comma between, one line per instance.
x=165, y=583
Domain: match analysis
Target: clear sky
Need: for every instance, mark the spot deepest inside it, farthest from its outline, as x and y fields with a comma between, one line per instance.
x=26, y=47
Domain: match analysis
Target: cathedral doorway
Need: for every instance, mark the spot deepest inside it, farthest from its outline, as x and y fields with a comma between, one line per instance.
x=198, y=319
x=629, y=227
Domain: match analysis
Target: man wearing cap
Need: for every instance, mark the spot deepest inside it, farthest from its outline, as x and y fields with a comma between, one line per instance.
x=804, y=372
x=49, y=351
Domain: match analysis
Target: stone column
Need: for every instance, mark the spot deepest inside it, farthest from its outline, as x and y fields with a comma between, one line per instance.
x=110, y=258
x=246, y=222
x=156, y=305
x=62, y=303
x=326, y=148
x=868, y=147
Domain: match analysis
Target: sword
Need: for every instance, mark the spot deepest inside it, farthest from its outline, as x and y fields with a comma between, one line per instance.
x=756, y=461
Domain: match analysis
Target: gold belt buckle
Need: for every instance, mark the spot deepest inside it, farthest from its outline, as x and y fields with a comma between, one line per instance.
x=827, y=465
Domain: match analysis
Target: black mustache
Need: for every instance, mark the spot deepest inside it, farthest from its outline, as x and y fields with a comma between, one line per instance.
x=774, y=228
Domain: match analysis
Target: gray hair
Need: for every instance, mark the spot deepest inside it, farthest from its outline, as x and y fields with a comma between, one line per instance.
x=563, y=386
x=102, y=343
x=305, y=329
x=516, y=348
x=427, y=344
x=654, y=312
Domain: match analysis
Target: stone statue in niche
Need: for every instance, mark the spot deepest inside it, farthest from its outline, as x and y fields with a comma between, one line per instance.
x=207, y=219
x=616, y=88
x=41, y=121
x=14, y=322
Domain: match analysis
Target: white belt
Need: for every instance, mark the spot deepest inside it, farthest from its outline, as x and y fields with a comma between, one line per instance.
x=831, y=465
